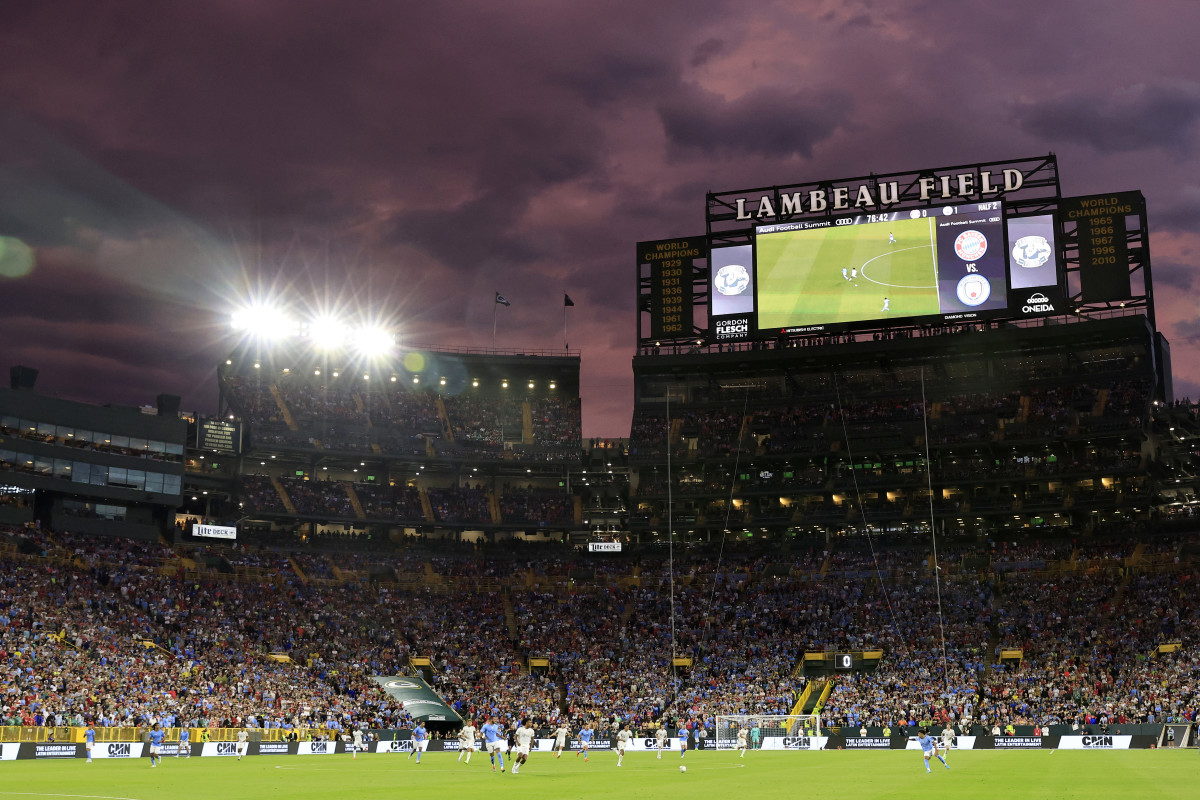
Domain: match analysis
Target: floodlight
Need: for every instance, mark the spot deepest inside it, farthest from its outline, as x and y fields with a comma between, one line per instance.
x=263, y=322
x=327, y=333
x=373, y=341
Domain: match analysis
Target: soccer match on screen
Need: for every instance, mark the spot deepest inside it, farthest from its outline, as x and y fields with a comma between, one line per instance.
x=599, y=400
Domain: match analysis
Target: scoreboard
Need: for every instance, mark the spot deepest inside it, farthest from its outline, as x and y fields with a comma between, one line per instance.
x=987, y=242
x=672, y=263
x=219, y=436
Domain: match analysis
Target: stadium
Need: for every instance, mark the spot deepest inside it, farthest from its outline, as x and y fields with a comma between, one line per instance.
x=907, y=468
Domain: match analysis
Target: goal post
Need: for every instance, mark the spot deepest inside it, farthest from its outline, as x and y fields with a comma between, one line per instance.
x=770, y=731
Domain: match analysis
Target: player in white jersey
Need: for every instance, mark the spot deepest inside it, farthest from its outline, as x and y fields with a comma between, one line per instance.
x=624, y=740
x=356, y=743
x=660, y=740
x=560, y=739
x=243, y=743
x=854, y=274
x=741, y=741
x=891, y=237
x=524, y=738
x=947, y=738
x=886, y=305
x=466, y=740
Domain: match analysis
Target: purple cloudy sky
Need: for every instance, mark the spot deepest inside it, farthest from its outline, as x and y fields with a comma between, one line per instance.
x=162, y=159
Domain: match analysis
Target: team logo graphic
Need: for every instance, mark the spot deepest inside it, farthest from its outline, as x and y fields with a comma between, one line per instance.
x=970, y=245
x=400, y=685
x=732, y=279
x=974, y=289
x=1031, y=252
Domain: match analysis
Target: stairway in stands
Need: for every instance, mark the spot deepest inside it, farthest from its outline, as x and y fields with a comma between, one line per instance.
x=355, y=503
x=283, y=495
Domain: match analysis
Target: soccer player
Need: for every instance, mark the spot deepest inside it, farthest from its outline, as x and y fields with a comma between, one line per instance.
x=683, y=737
x=660, y=740
x=947, y=738
x=885, y=306
x=845, y=274
x=185, y=743
x=90, y=738
x=742, y=734
x=623, y=740
x=243, y=743
x=356, y=742
x=929, y=748
x=854, y=274
x=420, y=741
x=523, y=735
x=156, y=739
x=585, y=739
x=891, y=238
x=493, y=739
x=466, y=740
x=560, y=738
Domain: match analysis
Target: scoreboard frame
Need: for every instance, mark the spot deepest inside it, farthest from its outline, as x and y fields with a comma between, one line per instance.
x=1089, y=257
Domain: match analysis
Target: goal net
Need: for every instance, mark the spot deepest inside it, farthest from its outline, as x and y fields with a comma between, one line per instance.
x=771, y=731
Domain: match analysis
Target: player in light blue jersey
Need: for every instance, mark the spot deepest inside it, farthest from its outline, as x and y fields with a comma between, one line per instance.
x=157, y=735
x=420, y=741
x=90, y=738
x=185, y=744
x=929, y=748
x=585, y=741
x=494, y=740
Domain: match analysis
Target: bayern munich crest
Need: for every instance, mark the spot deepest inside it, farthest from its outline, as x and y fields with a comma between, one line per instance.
x=732, y=279
x=970, y=245
x=974, y=290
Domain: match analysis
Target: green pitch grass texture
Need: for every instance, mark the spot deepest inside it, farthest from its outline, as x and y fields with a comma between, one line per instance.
x=800, y=274
x=1161, y=774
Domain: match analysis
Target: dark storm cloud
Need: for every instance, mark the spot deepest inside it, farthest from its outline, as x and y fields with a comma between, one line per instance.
x=1176, y=274
x=770, y=121
x=414, y=157
x=707, y=50
x=1140, y=117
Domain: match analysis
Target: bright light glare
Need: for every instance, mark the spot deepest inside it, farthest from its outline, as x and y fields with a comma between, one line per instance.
x=263, y=322
x=373, y=341
x=327, y=333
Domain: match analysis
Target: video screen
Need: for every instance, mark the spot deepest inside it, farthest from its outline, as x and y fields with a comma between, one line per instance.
x=732, y=289
x=1032, y=248
x=947, y=262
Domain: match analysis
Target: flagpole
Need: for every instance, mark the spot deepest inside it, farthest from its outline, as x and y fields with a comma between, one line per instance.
x=495, y=308
x=565, y=346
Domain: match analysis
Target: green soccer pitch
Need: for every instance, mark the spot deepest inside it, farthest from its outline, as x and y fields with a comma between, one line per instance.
x=1005, y=775
x=800, y=280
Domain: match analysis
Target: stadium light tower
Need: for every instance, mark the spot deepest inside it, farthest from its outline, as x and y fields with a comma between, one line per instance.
x=327, y=333
x=373, y=342
x=263, y=322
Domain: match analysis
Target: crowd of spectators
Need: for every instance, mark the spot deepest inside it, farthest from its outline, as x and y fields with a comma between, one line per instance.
x=96, y=628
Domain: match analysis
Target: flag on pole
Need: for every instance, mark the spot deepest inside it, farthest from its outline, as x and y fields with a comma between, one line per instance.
x=502, y=300
x=567, y=301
